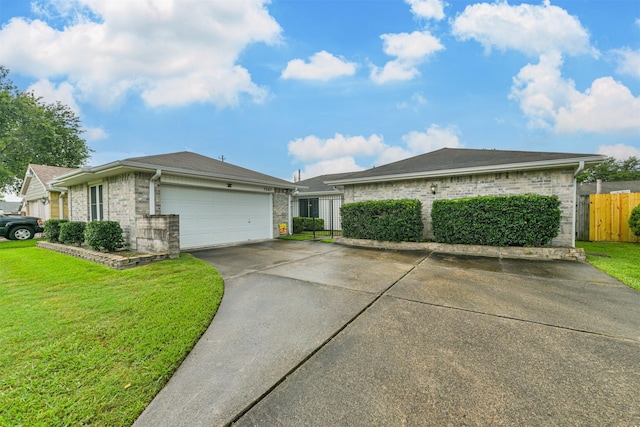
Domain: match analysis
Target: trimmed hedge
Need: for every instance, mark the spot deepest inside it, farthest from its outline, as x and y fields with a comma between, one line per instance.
x=634, y=221
x=72, y=232
x=52, y=229
x=384, y=220
x=523, y=220
x=104, y=235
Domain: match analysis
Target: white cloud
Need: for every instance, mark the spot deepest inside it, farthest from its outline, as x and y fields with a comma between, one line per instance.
x=428, y=9
x=628, y=62
x=339, y=165
x=417, y=99
x=107, y=49
x=530, y=29
x=548, y=100
x=619, y=151
x=321, y=66
x=410, y=51
x=342, y=154
x=51, y=93
x=312, y=148
x=434, y=138
x=95, y=134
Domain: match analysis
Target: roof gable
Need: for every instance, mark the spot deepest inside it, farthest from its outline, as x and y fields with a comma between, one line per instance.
x=44, y=175
x=448, y=161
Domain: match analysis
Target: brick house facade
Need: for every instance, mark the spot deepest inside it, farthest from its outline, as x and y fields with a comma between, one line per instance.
x=132, y=190
x=461, y=173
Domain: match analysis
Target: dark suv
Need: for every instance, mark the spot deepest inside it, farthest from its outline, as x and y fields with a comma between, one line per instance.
x=15, y=227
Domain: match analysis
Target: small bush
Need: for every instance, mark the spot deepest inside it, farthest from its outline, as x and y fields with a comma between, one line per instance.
x=104, y=235
x=523, y=220
x=72, y=232
x=384, y=220
x=298, y=224
x=634, y=221
x=52, y=229
x=301, y=224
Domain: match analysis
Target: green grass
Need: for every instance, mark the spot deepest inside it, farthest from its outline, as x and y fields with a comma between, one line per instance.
x=82, y=344
x=307, y=235
x=623, y=264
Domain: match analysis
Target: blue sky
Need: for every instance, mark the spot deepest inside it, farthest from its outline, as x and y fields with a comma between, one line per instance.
x=326, y=86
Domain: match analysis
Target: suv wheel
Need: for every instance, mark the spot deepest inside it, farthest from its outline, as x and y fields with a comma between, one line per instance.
x=21, y=233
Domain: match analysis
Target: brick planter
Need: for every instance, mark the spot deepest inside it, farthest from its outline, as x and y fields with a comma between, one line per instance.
x=112, y=260
x=546, y=253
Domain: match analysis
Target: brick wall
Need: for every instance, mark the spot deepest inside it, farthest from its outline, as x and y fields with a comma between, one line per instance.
x=79, y=203
x=280, y=210
x=158, y=234
x=558, y=182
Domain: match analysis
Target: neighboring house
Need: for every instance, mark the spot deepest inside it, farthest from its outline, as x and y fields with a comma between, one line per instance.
x=217, y=202
x=10, y=207
x=315, y=199
x=40, y=197
x=456, y=173
x=586, y=188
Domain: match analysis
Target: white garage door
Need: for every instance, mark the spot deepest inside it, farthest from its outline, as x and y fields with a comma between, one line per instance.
x=214, y=217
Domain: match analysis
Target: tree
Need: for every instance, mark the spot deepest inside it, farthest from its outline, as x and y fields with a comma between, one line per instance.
x=32, y=131
x=612, y=170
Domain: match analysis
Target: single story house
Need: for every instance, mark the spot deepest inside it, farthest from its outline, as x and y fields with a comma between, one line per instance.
x=451, y=173
x=315, y=199
x=216, y=202
x=40, y=197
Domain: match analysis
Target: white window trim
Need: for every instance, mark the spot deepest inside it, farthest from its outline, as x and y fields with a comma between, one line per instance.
x=99, y=204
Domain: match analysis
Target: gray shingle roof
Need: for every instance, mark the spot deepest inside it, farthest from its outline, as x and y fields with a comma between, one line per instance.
x=46, y=174
x=447, y=160
x=317, y=183
x=188, y=161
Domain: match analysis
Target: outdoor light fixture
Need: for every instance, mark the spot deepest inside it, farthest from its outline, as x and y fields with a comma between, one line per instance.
x=44, y=200
x=434, y=187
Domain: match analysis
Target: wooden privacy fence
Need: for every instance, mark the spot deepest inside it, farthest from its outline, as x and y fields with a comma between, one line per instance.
x=609, y=217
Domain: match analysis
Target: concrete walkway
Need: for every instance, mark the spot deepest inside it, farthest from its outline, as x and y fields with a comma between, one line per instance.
x=318, y=334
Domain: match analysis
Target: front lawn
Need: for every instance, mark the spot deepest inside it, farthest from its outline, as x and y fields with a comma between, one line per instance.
x=623, y=262
x=82, y=344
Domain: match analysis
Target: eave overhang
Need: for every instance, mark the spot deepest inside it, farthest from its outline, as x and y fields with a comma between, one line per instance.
x=507, y=167
x=88, y=174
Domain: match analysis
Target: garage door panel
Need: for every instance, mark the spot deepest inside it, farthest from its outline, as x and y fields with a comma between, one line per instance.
x=213, y=217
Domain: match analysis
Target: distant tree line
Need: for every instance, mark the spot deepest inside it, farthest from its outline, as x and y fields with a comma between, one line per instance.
x=33, y=131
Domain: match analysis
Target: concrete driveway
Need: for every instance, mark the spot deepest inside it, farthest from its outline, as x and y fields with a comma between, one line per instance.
x=317, y=334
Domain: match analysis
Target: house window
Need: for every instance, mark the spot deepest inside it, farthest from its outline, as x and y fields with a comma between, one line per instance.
x=95, y=201
x=309, y=208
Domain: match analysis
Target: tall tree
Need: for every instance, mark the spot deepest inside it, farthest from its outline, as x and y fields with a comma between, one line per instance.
x=612, y=170
x=32, y=131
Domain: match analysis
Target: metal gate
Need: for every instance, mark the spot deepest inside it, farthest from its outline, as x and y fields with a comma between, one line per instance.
x=326, y=208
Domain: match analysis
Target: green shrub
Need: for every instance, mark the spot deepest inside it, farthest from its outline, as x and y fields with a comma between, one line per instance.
x=301, y=224
x=104, y=235
x=52, y=229
x=72, y=232
x=634, y=221
x=523, y=220
x=298, y=224
x=384, y=220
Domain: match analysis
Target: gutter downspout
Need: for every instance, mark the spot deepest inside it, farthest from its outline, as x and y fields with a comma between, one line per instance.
x=289, y=219
x=152, y=192
x=575, y=202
